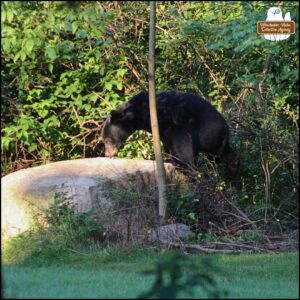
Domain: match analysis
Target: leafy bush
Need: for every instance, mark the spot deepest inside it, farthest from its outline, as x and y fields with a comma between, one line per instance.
x=64, y=65
x=54, y=233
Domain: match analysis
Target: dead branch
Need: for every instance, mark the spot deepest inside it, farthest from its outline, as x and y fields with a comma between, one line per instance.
x=242, y=214
x=251, y=247
x=197, y=247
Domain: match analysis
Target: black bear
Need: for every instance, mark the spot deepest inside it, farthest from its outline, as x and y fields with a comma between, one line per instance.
x=188, y=124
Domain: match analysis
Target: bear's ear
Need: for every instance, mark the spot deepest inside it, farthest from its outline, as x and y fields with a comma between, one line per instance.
x=116, y=116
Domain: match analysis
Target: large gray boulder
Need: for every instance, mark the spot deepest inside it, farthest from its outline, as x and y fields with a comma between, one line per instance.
x=87, y=183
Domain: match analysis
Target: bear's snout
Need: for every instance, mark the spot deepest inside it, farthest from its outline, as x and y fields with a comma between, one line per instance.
x=110, y=150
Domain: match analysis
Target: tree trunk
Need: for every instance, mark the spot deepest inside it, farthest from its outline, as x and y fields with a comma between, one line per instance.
x=160, y=170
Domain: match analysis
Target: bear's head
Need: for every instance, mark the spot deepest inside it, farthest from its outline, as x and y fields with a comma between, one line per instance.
x=116, y=129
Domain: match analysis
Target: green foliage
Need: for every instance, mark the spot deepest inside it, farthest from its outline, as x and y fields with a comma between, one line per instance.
x=180, y=206
x=176, y=274
x=75, y=228
x=54, y=233
x=56, y=77
x=65, y=65
x=139, y=145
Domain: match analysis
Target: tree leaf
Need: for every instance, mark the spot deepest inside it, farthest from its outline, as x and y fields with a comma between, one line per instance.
x=119, y=86
x=29, y=45
x=42, y=112
x=5, y=141
x=3, y=15
x=51, y=52
x=22, y=55
x=108, y=85
x=16, y=57
x=32, y=148
x=93, y=97
x=74, y=27
x=82, y=33
x=10, y=16
x=50, y=67
x=68, y=26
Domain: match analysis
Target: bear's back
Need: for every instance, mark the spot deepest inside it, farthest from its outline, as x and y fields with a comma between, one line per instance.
x=174, y=107
x=186, y=106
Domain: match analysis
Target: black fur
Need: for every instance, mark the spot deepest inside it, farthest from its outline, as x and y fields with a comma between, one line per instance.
x=188, y=125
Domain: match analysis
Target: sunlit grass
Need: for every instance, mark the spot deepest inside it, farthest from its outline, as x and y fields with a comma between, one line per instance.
x=117, y=274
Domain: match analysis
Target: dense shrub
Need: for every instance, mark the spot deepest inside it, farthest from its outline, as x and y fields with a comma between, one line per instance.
x=65, y=64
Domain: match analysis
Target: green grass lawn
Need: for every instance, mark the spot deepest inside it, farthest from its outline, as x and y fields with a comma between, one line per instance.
x=118, y=275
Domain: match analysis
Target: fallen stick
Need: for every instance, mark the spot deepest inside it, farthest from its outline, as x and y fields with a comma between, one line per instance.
x=255, y=248
x=239, y=211
x=198, y=247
